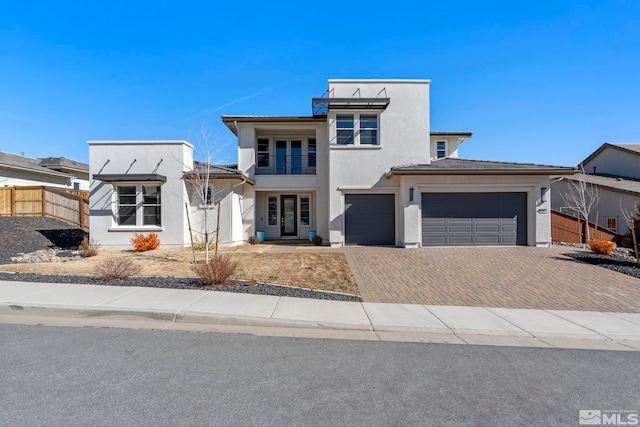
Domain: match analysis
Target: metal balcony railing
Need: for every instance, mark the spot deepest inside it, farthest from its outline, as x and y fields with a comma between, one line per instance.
x=285, y=164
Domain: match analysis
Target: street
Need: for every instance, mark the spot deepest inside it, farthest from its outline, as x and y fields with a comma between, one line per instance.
x=64, y=376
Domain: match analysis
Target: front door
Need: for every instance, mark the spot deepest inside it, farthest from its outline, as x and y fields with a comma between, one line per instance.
x=288, y=217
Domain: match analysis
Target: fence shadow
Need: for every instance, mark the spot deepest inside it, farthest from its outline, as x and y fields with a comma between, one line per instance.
x=65, y=238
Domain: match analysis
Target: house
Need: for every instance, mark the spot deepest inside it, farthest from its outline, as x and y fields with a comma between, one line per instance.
x=363, y=169
x=614, y=169
x=18, y=170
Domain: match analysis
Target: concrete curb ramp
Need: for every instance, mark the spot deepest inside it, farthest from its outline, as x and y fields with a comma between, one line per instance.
x=285, y=316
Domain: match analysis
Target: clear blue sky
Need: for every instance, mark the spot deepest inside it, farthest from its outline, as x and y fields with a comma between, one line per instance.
x=536, y=81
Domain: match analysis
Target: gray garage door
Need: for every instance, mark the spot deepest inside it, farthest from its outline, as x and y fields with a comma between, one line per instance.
x=370, y=219
x=474, y=219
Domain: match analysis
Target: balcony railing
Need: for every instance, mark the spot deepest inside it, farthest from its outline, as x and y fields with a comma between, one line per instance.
x=285, y=164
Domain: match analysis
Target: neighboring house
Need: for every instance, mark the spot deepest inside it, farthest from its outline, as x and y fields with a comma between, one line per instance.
x=50, y=171
x=364, y=168
x=614, y=169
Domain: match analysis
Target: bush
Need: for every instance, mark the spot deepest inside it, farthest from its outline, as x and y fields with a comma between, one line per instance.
x=143, y=243
x=116, y=269
x=217, y=272
x=199, y=245
x=88, y=247
x=601, y=246
x=254, y=240
x=317, y=240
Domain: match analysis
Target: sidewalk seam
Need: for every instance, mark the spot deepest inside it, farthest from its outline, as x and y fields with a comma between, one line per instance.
x=582, y=326
x=175, y=315
x=439, y=320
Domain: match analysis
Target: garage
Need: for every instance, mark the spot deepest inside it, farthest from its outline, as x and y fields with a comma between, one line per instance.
x=474, y=219
x=369, y=219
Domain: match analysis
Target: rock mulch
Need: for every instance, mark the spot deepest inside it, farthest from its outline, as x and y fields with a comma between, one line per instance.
x=622, y=264
x=46, y=255
x=185, y=283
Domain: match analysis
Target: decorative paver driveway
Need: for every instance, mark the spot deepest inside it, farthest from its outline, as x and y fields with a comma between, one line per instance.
x=515, y=277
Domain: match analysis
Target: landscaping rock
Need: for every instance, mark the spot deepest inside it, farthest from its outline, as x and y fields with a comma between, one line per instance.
x=621, y=264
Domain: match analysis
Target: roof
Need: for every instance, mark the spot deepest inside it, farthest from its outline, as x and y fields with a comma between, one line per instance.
x=451, y=166
x=230, y=121
x=63, y=163
x=631, y=148
x=219, y=172
x=13, y=161
x=451, y=133
x=622, y=185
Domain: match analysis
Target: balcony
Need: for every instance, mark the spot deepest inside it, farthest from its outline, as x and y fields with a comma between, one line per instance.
x=281, y=164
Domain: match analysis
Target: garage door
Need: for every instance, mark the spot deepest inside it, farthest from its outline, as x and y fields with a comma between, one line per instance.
x=474, y=219
x=370, y=219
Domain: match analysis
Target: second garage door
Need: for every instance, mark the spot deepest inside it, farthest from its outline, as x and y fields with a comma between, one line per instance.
x=369, y=219
x=474, y=219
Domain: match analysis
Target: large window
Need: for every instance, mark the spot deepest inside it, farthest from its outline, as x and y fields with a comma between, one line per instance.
x=312, y=153
x=368, y=129
x=344, y=129
x=441, y=149
x=138, y=205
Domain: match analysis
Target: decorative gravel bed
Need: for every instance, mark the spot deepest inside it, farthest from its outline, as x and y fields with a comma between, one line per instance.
x=185, y=283
x=617, y=263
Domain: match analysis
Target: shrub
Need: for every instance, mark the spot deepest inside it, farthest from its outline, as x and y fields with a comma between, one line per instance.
x=254, y=240
x=217, y=272
x=116, y=269
x=88, y=247
x=601, y=246
x=317, y=240
x=143, y=243
x=199, y=245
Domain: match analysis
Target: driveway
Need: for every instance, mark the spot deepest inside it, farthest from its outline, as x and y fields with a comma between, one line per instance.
x=514, y=277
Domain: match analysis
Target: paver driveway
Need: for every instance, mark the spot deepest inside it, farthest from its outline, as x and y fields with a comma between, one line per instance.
x=514, y=277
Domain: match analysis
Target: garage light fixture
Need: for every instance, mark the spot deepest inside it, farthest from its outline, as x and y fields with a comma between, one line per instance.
x=543, y=194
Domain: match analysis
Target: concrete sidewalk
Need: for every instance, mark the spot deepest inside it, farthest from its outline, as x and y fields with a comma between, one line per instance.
x=93, y=305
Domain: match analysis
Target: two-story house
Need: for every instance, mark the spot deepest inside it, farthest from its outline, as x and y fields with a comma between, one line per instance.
x=363, y=169
x=614, y=170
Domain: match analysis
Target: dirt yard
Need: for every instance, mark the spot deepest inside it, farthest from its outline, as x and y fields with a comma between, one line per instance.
x=322, y=270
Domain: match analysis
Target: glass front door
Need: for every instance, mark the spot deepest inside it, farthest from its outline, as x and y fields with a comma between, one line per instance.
x=288, y=219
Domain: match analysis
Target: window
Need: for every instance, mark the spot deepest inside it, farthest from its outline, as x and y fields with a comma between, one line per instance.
x=304, y=211
x=138, y=205
x=312, y=153
x=344, y=129
x=281, y=157
x=126, y=205
x=273, y=210
x=441, y=149
x=296, y=157
x=76, y=185
x=612, y=224
x=209, y=196
x=368, y=129
x=263, y=153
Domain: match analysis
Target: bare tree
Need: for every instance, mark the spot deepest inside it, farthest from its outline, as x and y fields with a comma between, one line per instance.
x=581, y=196
x=632, y=224
x=204, y=189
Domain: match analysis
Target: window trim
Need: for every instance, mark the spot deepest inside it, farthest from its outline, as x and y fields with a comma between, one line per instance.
x=357, y=131
x=309, y=211
x=444, y=150
x=139, y=208
x=276, y=197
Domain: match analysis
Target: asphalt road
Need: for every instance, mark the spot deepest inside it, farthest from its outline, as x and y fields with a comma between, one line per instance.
x=58, y=376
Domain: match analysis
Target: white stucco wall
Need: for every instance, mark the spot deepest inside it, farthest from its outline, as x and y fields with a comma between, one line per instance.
x=404, y=138
x=168, y=158
x=451, y=146
x=615, y=162
x=608, y=205
x=16, y=178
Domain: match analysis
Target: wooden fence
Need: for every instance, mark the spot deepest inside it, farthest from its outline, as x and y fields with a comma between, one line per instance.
x=68, y=205
x=569, y=229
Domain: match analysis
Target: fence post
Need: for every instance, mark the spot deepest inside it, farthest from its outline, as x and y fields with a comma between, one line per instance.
x=81, y=201
x=13, y=201
x=44, y=202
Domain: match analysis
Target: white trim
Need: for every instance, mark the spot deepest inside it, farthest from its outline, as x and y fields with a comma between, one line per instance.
x=394, y=189
x=410, y=81
x=354, y=147
x=142, y=142
x=130, y=228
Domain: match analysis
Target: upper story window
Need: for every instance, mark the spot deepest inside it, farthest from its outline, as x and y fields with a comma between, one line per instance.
x=344, y=129
x=138, y=205
x=311, y=149
x=441, y=149
x=263, y=152
x=612, y=223
x=369, y=129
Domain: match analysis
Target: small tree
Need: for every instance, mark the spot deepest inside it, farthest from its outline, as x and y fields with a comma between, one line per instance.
x=633, y=223
x=581, y=196
x=205, y=189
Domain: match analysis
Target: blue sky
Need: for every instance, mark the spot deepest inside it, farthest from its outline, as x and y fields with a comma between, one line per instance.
x=543, y=81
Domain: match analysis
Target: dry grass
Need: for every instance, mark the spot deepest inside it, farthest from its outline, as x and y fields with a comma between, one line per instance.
x=319, y=269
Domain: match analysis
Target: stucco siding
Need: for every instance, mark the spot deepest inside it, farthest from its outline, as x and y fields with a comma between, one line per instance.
x=615, y=162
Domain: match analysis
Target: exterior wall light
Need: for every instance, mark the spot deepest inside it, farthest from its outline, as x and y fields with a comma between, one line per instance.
x=411, y=195
x=543, y=194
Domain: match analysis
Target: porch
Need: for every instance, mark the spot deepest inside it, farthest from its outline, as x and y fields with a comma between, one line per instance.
x=286, y=215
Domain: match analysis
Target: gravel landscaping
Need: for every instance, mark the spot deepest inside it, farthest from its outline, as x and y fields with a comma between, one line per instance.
x=621, y=264
x=47, y=239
